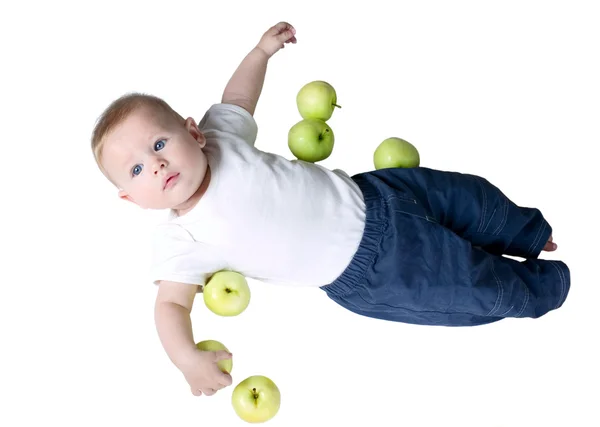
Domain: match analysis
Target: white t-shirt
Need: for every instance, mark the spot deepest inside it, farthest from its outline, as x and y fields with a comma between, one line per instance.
x=264, y=216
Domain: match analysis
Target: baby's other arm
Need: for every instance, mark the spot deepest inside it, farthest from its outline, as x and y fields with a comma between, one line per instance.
x=245, y=86
x=172, y=315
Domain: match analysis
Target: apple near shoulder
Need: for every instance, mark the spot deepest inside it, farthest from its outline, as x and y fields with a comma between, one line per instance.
x=311, y=140
x=226, y=293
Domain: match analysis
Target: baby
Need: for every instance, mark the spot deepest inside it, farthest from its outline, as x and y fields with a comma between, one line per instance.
x=413, y=245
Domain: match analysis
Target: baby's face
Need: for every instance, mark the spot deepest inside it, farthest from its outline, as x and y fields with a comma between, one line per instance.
x=155, y=161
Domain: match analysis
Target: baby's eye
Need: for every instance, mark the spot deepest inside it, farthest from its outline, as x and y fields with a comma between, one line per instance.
x=159, y=145
x=137, y=169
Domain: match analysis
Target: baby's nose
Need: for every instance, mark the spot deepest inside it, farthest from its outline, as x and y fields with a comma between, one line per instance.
x=159, y=165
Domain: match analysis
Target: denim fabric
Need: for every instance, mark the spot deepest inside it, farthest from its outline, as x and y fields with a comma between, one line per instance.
x=431, y=253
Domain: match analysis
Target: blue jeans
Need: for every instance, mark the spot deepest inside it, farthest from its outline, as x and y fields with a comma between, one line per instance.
x=431, y=253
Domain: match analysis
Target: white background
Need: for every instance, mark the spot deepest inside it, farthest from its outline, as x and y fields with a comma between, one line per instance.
x=508, y=90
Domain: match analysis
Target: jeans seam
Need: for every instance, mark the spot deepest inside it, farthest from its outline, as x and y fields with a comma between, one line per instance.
x=562, y=283
x=524, y=302
x=490, y=221
x=483, y=207
x=408, y=200
x=507, y=311
x=538, y=236
x=500, y=293
x=504, y=218
x=409, y=309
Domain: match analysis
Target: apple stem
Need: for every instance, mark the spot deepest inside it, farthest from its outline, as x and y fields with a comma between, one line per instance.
x=254, y=393
x=335, y=105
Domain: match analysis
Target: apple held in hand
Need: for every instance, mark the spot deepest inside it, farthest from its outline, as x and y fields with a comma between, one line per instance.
x=317, y=100
x=227, y=293
x=311, y=140
x=256, y=399
x=396, y=153
x=225, y=365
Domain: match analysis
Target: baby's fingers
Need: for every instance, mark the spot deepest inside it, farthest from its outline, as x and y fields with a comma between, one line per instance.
x=224, y=379
x=221, y=355
x=208, y=391
x=286, y=36
x=281, y=27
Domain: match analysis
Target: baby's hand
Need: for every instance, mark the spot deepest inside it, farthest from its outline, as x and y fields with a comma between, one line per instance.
x=202, y=373
x=276, y=37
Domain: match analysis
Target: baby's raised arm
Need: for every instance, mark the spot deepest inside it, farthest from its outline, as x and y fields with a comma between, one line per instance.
x=246, y=84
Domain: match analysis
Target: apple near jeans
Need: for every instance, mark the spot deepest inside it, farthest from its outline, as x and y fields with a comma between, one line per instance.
x=396, y=153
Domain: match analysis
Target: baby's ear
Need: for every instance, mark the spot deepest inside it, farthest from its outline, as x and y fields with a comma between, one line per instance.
x=194, y=130
x=124, y=196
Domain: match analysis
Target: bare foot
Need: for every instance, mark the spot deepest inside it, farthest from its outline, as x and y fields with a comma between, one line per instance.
x=550, y=245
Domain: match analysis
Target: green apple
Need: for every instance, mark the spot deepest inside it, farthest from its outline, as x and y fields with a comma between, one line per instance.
x=395, y=153
x=311, y=140
x=226, y=293
x=256, y=399
x=317, y=100
x=224, y=365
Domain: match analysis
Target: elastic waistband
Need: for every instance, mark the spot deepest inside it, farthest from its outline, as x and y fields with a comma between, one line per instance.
x=368, y=248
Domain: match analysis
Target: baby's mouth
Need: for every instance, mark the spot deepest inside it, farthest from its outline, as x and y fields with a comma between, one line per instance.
x=170, y=179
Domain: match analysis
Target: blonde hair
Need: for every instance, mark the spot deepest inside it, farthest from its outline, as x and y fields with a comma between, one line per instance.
x=118, y=111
